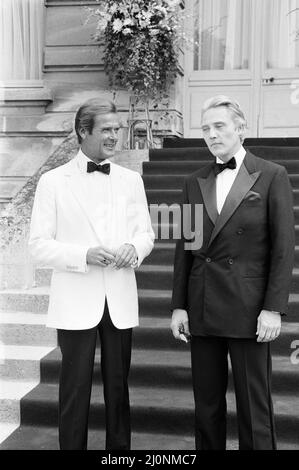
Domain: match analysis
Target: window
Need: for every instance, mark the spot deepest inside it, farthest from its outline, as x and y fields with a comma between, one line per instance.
x=223, y=31
x=282, y=44
x=21, y=39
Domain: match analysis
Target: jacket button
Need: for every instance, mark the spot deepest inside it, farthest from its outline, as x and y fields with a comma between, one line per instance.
x=231, y=261
x=240, y=231
x=208, y=260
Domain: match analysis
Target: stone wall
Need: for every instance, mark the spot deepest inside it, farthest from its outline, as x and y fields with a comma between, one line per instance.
x=74, y=69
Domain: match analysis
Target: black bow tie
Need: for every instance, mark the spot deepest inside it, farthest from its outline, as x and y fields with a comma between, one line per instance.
x=219, y=167
x=91, y=166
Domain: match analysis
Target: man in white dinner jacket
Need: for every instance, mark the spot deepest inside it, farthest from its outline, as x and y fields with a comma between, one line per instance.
x=90, y=223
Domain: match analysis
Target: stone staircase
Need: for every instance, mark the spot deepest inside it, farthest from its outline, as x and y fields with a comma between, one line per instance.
x=29, y=134
x=160, y=378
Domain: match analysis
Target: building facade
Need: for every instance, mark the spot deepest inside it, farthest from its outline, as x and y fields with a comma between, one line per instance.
x=247, y=49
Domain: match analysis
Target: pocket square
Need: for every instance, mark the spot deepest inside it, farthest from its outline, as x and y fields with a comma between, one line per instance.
x=252, y=196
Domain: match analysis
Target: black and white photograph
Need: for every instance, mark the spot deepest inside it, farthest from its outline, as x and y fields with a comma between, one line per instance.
x=149, y=228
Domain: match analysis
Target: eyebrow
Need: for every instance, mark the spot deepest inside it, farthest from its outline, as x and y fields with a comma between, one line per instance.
x=109, y=127
x=213, y=123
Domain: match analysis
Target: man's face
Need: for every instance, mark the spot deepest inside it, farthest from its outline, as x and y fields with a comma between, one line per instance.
x=101, y=143
x=221, y=132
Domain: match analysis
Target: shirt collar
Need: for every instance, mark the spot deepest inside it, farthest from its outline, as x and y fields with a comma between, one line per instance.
x=83, y=159
x=239, y=156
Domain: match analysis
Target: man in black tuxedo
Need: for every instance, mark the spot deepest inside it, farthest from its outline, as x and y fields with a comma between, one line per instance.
x=230, y=294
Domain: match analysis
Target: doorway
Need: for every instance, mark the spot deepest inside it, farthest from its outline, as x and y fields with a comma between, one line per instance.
x=249, y=50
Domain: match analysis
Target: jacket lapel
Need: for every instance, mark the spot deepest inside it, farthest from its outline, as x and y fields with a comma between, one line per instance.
x=78, y=185
x=208, y=189
x=245, y=179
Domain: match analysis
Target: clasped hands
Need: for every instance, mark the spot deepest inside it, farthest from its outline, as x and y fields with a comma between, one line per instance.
x=124, y=257
x=268, y=325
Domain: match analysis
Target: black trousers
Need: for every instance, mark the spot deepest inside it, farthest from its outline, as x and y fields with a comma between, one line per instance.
x=78, y=351
x=251, y=368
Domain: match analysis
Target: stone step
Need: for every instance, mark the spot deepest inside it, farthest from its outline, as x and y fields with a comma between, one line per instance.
x=174, y=196
x=149, y=277
x=189, y=166
x=177, y=181
x=154, y=333
x=160, y=368
x=160, y=301
x=162, y=254
x=34, y=300
x=159, y=196
x=203, y=153
x=6, y=429
x=269, y=142
x=151, y=302
x=153, y=410
x=26, y=328
x=11, y=392
x=46, y=438
x=170, y=368
x=296, y=214
x=295, y=280
x=22, y=362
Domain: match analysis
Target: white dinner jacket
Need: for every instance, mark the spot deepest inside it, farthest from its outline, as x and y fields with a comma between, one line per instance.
x=64, y=227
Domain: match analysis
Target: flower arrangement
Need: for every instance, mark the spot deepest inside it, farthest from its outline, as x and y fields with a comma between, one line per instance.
x=141, y=40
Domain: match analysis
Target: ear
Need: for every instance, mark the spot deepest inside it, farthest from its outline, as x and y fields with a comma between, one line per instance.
x=240, y=130
x=82, y=132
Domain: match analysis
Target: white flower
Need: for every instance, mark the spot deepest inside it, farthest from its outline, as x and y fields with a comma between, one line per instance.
x=146, y=17
x=172, y=3
x=127, y=31
x=113, y=8
x=128, y=22
x=162, y=10
x=154, y=31
x=117, y=25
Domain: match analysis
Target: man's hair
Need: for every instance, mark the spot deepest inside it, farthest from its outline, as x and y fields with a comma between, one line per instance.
x=88, y=111
x=234, y=108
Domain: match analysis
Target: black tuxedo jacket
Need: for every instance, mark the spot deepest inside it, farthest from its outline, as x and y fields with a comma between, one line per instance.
x=246, y=259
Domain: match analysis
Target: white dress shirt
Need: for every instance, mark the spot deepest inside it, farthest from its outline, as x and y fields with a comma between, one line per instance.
x=226, y=178
x=100, y=197
x=99, y=189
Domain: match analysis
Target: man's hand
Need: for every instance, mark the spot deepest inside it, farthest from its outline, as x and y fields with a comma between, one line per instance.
x=100, y=256
x=268, y=326
x=125, y=256
x=180, y=324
